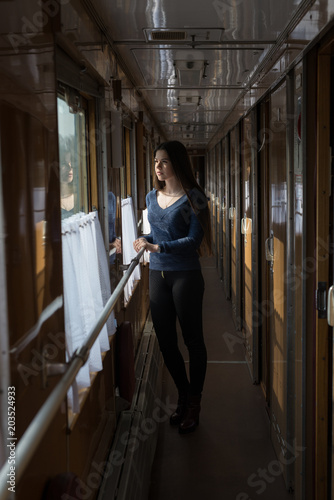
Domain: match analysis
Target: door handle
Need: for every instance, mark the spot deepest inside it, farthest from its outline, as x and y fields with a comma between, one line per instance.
x=231, y=212
x=269, y=248
x=246, y=225
x=330, y=306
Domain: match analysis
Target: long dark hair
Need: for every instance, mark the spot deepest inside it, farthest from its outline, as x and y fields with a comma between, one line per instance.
x=183, y=171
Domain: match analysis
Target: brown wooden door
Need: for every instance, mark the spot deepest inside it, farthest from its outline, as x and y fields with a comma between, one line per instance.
x=225, y=218
x=262, y=318
x=234, y=217
x=323, y=370
x=246, y=239
x=277, y=310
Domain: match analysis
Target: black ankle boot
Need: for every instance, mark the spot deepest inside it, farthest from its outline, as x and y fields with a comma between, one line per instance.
x=191, y=418
x=177, y=416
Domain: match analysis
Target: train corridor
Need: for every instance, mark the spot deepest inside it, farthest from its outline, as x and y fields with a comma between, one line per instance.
x=230, y=456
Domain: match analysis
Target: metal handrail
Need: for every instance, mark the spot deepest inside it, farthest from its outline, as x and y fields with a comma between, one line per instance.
x=34, y=434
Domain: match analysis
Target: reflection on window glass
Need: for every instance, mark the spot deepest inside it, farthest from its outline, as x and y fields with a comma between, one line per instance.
x=73, y=159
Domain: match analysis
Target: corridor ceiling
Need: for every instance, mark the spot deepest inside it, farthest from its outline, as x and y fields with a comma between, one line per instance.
x=199, y=65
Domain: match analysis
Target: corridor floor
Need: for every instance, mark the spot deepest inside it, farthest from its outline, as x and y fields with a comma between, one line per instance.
x=230, y=456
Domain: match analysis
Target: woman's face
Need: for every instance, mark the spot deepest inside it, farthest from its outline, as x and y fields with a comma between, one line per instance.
x=66, y=170
x=163, y=166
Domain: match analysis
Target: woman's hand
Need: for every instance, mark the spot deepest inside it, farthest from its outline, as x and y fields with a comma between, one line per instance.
x=143, y=243
x=116, y=244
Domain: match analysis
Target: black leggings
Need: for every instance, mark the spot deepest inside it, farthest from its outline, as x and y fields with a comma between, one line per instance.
x=179, y=294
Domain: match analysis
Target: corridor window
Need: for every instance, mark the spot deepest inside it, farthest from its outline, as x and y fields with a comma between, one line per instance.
x=73, y=153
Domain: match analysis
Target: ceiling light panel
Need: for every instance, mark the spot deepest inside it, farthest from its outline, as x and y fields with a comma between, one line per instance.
x=191, y=34
x=169, y=67
x=189, y=66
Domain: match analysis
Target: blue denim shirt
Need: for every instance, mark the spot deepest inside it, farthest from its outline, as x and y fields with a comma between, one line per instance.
x=177, y=231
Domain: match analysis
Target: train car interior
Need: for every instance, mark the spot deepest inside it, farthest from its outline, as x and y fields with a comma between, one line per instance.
x=88, y=91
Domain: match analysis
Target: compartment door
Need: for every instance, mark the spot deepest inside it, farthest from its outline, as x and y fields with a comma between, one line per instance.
x=330, y=302
x=218, y=209
x=246, y=229
x=330, y=319
x=234, y=216
x=225, y=218
x=260, y=307
x=324, y=483
x=277, y=249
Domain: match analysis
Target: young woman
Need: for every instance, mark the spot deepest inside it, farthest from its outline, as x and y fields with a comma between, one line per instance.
x=180, y=230
x=66, y=186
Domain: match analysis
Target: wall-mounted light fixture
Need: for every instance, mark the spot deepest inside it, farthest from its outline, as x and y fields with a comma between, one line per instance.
x=206, y=64
x=73, y=100
x=117, y=92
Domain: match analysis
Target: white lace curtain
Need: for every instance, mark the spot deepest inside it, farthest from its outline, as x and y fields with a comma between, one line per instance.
x=129, y=234
x=86, y=290
x=145, y=229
